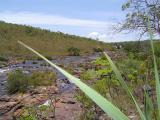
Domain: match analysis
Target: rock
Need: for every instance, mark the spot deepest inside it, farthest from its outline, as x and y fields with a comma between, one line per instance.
x=44, y=90
x=133, y=117
x=17, y=113
x=47, y=103
x=5, y=98
x=7, y=106
x=1, y=84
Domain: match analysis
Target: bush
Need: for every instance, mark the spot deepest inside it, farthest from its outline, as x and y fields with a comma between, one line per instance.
x=98, y=50
x=74, y=51
x=3, y=64
x=3, y=59
x=39, y=78
x=17, y=82
x=49, y=57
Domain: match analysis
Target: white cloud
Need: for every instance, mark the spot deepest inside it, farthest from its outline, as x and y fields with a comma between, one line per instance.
x=111, y=36
x=46, y=19
x=97, y=35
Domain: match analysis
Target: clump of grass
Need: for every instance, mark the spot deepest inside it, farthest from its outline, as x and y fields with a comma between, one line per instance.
x=39, y=78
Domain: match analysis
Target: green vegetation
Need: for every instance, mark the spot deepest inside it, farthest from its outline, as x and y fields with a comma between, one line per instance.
x=49, y=43
x=29, y=113
x=103, y=103
x=39, y=78
x=3, y=59
x=74, y=51
x=120, y=89
x=3, y=64
x=36, y=113
x=19, y=82
x=108, y=85
x=98, y=50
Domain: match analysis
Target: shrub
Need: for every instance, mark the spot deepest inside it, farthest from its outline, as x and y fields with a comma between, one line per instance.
x=3, y=64
x=49, y=57
x=39, y=78
x=98, y=50
x=28, y=113
x=74, y=51
x=17, y=82
x=3, y=59
x=88, y=75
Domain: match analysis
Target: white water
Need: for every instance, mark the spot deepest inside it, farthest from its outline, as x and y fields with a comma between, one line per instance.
x=4, y=70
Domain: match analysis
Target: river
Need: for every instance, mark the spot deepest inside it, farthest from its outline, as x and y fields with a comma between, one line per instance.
x=32, y=65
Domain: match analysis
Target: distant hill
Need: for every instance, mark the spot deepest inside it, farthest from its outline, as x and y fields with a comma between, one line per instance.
x=46, y=42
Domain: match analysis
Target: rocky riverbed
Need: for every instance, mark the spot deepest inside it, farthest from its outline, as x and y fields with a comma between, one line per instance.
x=11, y=105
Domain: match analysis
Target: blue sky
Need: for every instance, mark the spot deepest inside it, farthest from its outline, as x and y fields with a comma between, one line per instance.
x=89, y=18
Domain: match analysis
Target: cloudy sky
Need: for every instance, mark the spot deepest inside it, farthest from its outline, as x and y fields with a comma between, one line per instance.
x=89, y=18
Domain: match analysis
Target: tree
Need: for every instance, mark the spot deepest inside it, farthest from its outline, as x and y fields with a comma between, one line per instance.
x=139, y=13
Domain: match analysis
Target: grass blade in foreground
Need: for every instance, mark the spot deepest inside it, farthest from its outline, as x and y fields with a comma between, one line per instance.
x=104, y=104
x=124, y=85
x=155, y=69
x=148, y=106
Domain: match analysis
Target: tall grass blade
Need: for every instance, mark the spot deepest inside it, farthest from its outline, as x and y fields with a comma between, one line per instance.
x=148, y=106
x=124, y=85
x=155, y=69
x=104, y=104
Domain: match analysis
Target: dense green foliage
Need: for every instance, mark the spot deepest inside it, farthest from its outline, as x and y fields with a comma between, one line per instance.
x=102, y=79
x=136, y=73
x=46, y=42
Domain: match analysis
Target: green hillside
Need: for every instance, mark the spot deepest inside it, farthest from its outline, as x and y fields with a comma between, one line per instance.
x=47, y=42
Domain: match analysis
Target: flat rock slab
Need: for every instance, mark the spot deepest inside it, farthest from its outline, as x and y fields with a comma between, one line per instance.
x=67, y=108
